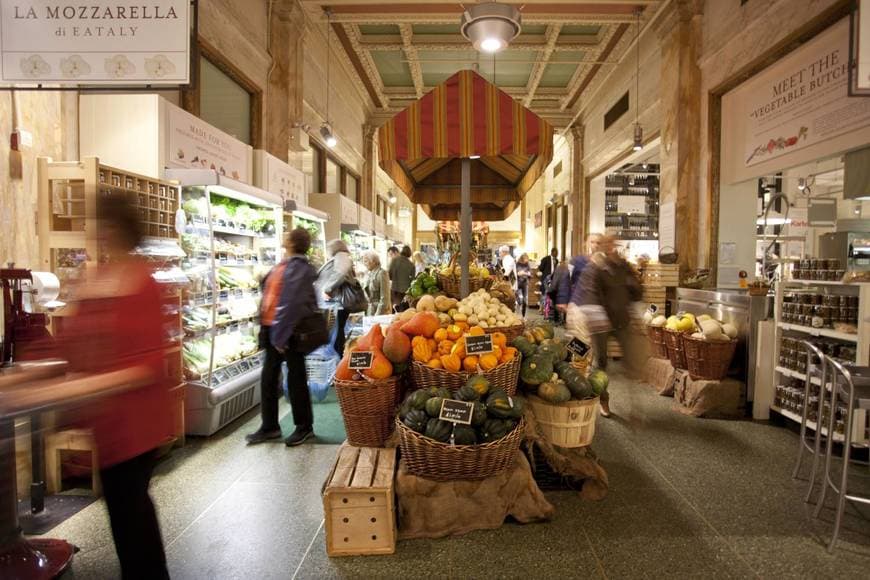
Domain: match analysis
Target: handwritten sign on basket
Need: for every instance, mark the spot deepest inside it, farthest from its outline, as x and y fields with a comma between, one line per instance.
x=361, y=361
x=478, y=344
x=578, y=347
x=456, y=411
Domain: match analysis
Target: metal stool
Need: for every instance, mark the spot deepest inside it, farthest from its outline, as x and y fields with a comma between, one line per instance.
x=814, y=369
x=851, y=385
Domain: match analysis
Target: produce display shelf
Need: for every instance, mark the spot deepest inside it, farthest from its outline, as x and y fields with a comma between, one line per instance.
x=799, y=376
x=231, y=370
x=234, y=231
x=810, y=424
x=819, y=331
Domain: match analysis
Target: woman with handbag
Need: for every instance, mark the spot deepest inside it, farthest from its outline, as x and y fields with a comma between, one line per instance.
x=334, y=279
x=377, y=285
x=291, y=309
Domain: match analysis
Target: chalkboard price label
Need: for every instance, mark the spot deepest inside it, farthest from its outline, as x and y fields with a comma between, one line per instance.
x=578, y=347
x=361, y=361
x=456, y=411
x=478, y=344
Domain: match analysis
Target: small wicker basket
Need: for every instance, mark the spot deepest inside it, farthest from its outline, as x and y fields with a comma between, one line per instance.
x=444, y=462
x=568, y=424
x=708, y=360
x=504, y=376
x=656, y=336
x=674, y=345
x=368, y=408
x=450, y=284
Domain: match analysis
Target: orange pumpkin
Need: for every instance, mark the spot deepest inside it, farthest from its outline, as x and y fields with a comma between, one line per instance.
x=459, y=348
x=508, y=354
x=421, y=350
x=469, y=364
x=422, y=324
x=343, y=371
x=453, y=332
x=499, y=339
x=432, y=344
x=374, y=340
x=451, y=363
x=488, y=361
x=445, y=346
x=435, y=363
x=497, y=351
x=440, y=335
x=381, y=367
x=462, y=325
x=476, y=331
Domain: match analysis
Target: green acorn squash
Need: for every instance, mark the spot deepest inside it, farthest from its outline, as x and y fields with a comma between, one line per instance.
x=479, y=414
x=433, y=406
x=554, y=392
x=464, y=435
x=467, y=393
x=438, y=430
x=599, y=381
x=479, y=383
x=524, y=346
x=416, y=420
x=418, y=399
x=495, y=429
x=536, y=369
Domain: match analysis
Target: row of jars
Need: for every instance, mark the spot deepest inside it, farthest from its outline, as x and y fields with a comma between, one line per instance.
x=793, y=354
x=790, y=397
x=821, y=269
x=819, y=310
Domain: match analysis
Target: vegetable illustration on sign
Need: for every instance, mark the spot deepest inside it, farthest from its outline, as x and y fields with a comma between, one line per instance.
x=778, y=144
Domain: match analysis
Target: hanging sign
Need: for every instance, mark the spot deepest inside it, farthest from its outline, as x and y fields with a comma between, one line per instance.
x=631, y=204
x=276, y=176
x=478, y=344
x=193, y=143
x=794, y=111
x=119, y=43
x=456, y=411
x=360, y=361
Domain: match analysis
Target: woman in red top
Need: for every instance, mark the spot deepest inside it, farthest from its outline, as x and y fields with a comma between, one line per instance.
x=118, y=323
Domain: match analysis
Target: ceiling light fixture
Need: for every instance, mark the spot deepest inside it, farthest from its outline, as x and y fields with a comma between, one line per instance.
x=638, y=130
x=392, y=198
x=474, y=156
x=491, y=26
x=326, y=128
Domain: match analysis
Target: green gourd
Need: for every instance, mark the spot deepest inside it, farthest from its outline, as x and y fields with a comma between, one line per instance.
x=438, y=430
x=464, y=435
x=479, y=414
x=524, y=346
x=433, y=406
x=416, y=420
x=536, y=369
x=418, y=399
x=554, y=392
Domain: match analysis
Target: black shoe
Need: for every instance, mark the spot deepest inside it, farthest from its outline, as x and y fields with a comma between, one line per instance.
x=299, y=436
x=259, y=436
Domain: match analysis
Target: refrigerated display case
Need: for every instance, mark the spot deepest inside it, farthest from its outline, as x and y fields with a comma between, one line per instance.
x=315, y=222
x=231, y=240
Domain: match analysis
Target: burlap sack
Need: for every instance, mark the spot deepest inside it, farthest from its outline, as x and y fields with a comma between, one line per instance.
x=661, y=375
x=434, y=509
x=578, y=464
x=711, y=399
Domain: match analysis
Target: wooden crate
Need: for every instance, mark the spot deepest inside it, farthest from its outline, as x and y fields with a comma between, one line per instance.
x=359, y=502
x=661, y=275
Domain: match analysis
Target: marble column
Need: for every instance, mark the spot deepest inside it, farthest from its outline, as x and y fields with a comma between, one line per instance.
x=370, y=167
x=680, y=36
x=579, y=198
x=282, y=101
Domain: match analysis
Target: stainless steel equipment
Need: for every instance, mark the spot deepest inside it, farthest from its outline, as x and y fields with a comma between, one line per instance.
x=740, y=309
x=851, y=248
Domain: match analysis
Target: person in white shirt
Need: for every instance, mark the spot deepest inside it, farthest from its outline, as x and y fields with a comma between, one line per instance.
x=508, y=265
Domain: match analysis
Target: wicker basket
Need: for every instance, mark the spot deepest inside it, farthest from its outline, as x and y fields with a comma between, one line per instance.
x=656, y=336
x=444, y=462
x=708, y=360
x=511, y=332
x=674, y=346
x=450, y=284
x=368, y=408
x=568, y=424
x=504, y=376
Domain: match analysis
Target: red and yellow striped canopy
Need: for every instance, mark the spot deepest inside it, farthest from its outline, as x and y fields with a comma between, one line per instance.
x=466, y=116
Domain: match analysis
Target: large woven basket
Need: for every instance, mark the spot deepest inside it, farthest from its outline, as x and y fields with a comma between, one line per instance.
x=708, y=360
x=450, y=284
x=568, y=424
x=674, y=345
x=504, y=376
x=368, y=408
x=656, y=336
x=444, y=462
x=511, y=332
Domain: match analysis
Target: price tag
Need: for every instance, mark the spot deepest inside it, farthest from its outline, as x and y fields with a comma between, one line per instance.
x=456, y=411
x=478, y=344
x=233, y=371
x=578, y=347
x=361, y=361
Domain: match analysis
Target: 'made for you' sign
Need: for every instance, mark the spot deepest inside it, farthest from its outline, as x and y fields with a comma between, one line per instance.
x=94, y=42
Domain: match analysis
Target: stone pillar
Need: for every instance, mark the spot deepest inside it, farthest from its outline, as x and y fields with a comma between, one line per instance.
x=370, y=167
x=680, y=37
x=282, y=101
x=579, y=197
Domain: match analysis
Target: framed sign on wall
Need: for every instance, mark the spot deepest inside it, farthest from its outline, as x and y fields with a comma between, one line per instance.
x=859, y=50
x=52, y=44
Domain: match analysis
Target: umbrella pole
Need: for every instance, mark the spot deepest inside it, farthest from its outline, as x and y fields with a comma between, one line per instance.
x=465, y=224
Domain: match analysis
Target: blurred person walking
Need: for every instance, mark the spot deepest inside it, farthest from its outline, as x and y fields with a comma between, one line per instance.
x=401, y=271
x=559, y=291
x=419, y=263
x=296, y=305
x=508, y=265
x=524, y=273
x=377, y=285
x=332, y=278
x=117, y=323
x=608, y=288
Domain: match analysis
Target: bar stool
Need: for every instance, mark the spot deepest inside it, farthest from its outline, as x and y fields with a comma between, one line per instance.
x=852, y=386
x=816, y=368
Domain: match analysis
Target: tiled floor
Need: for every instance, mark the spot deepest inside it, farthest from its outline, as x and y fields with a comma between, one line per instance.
x=690, y=498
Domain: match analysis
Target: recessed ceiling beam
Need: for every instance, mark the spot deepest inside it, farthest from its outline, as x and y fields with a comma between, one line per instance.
x=353, y=54
x=552, y=35
x=410, y=51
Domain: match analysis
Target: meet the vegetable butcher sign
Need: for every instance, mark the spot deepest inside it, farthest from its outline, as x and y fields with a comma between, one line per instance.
x=92, y=43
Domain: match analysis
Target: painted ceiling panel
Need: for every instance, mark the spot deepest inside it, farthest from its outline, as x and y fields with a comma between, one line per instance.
x=580, y=29
x=378, y=29
x=435, y=29
x=394, y=72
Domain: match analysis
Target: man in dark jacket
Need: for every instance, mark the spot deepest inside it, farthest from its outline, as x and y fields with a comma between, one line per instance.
x=401, y=271
x=548, y=266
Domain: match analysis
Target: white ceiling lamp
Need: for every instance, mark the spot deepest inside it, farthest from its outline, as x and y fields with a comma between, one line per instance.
x=392, y=199
x=326, y=128
x=638, y=130
x=491, y=26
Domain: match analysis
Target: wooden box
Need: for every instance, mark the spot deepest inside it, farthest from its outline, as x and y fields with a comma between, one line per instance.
x=661, y=275
x=359, y=502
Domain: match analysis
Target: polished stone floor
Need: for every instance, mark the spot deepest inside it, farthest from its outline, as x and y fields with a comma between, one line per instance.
x=690, y=498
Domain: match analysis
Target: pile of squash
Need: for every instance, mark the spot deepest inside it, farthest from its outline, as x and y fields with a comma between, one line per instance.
x=444, y=347
x=390, y=353
x=495, y=413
